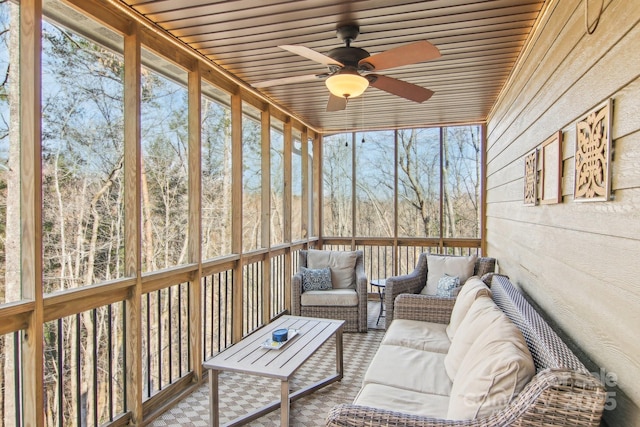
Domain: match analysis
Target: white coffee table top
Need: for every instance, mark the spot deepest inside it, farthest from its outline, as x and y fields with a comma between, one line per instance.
x=250, y=357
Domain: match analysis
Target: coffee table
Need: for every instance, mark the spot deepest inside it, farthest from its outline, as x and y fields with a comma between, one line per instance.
x=249, y=357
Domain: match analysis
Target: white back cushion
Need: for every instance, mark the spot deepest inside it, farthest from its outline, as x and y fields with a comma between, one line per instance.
x=342, y=265
x=467, y=295
x=439, y=265
x=497, y=367
x=482, y=315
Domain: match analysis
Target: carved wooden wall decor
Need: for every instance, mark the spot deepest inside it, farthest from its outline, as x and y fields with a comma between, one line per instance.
x=593, y=155
x=551, y=170
x=531, y=178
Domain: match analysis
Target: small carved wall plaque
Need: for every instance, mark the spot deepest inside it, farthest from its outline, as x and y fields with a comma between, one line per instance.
x=593, y=155
x=531, y=178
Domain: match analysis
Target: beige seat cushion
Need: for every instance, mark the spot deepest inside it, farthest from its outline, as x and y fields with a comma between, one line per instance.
x=439, y=265
x=418, y=335
x=473, y=288
x=483, y=315
x=406, y=401
x=496, y=368
x=409, y=369
x=330, y=297
x=341, y=263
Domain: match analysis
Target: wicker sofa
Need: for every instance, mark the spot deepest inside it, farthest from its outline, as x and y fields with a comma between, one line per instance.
x=415, y=281
x=561, y=393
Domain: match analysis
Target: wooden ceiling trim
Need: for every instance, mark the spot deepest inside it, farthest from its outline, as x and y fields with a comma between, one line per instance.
x=197, y=15
x=316, y=27
x=145, y=7
x=217, y=80
x=408, y=14
x=242, y=18
x=307, y=19
x=264, y=23
x=451, y=42
x=269, y=47
x=104, y=14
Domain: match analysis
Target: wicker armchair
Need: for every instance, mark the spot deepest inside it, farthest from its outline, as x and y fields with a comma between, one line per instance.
x=355, y=317
x=413, y=282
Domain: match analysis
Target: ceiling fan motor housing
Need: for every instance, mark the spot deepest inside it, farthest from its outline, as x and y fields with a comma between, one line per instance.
x=349, y=56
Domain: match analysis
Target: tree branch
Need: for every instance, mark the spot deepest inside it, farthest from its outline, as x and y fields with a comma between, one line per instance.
x=6, y=76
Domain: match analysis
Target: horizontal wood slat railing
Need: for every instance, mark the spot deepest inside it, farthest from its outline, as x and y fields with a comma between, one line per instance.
x=76, y=314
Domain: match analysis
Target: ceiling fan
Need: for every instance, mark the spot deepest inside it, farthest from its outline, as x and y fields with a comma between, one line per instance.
x=351, y=69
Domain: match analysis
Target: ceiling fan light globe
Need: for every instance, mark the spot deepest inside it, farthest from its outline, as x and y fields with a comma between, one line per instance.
x=347, y=85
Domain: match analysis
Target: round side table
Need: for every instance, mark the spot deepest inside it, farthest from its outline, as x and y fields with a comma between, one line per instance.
x=381, y=285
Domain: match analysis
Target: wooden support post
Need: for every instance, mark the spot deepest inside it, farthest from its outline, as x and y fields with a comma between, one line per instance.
x=265, y=122
x=288, y=264
x=195, y=220
x=304, y=212
x=483, y=189
x=441, y=216
x=395, y=266
x=133, y=216
x=288, y=149
x=317, y=188
x=353, y=191
x=31, y=209
x=236, y=216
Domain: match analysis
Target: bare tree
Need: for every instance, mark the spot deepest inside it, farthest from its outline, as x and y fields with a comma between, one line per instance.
x=462, y=181
x=418, y=180
x=251, y=184
x=216, y=179
x=337, y=186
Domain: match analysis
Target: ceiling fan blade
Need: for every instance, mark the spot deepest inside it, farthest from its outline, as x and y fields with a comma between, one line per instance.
x=311, y=54
x=336, y=103
x=400, y=88
x=403, y=55
x=289, y=80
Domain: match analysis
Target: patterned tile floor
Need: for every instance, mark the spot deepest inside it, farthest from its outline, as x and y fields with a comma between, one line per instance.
x=240, y=394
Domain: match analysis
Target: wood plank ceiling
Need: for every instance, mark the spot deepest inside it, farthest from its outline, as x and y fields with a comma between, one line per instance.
x=479, y=40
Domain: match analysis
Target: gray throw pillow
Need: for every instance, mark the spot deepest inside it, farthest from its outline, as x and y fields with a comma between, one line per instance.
x=318, y=279
x=447, y=286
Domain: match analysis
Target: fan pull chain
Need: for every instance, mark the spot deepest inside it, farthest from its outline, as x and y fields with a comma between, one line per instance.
x=346, y=116
x=362, y=111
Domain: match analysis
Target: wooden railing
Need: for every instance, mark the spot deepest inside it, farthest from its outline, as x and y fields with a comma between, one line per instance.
x=87, y=385
x=217, y=303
